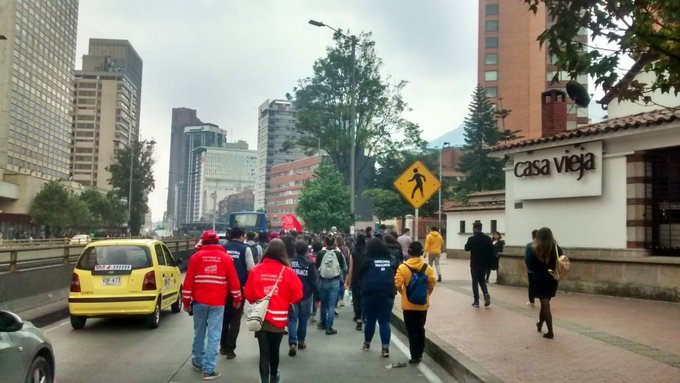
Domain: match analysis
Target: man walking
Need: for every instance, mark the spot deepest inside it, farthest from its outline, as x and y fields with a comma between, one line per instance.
x=481, y=250
x=434, y=243
x=405, y=241
x=243, y=262
x=331, y=265
x=255, y=247
x=209, y=276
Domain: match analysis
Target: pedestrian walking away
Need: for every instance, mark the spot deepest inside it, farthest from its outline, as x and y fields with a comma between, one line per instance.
x=498, y=244
x=209, y=276
x=530, y=274
x=542, y=260
x=243, y=262
x=378, y=290
x=415, y=280
x=434, y=243
x=481, y=251
x=344, y=250
x=275, y=268
x=299, y=313
x=394, y=248
x=331, y=264
x=353, y=282
x=405, y=241
x=255, y=247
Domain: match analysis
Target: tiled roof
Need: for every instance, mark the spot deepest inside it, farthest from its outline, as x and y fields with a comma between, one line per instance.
x=635, y=121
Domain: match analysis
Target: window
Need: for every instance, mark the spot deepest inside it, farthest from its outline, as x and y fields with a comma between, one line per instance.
x=491, y=91
x=491, y=75
x=491, y=9
x=168, y=256
x=491, y=42
x=494, y=225
x=461, y=229
x=491, y=58
x=160, y=255
x=491, y=26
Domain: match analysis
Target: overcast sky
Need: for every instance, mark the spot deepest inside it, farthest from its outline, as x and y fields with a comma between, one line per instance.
x=226, y=57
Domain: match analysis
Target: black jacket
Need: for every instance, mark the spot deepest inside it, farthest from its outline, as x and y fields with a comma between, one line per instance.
x=481, y=250
x=307, y=273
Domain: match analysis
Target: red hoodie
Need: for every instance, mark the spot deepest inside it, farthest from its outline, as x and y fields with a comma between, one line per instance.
x=210, y=274
x=261, y=281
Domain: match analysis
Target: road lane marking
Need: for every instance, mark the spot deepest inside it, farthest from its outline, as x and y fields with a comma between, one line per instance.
x=429, y=374
x=55, y=325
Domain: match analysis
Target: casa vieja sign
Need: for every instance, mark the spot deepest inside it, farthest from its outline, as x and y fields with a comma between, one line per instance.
x=561, y=172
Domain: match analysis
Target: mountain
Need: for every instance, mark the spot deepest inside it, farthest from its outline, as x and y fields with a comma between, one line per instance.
x=455, y=137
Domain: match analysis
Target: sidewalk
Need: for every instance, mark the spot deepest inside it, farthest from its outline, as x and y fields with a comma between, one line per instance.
x=597, y=338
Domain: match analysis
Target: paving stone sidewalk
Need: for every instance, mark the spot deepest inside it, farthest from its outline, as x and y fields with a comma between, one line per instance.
x=597, y=338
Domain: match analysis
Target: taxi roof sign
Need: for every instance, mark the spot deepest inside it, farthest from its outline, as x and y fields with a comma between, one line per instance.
x=417, y=184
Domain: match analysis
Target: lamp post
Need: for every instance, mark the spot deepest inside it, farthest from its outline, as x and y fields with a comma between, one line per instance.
x=352, y=111
x=441, y=151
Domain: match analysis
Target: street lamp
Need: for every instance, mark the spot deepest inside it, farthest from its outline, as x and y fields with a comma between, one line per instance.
x=441, y=151
x=352, y=111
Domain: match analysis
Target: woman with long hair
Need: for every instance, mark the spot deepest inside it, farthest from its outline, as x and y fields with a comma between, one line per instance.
x=274, y=267
x=353, y=282
x=498, y=244
x=542, y=258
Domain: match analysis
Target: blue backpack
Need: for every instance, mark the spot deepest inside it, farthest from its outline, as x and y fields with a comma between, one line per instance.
x=416, y=291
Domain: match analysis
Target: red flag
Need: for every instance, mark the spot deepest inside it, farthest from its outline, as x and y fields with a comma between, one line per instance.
x=291, y=223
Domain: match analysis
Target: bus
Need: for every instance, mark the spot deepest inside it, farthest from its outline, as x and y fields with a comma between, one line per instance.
x=249, y=221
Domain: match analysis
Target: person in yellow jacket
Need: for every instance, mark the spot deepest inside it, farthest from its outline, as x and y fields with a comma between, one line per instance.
x=434, y=243
x=415, y=315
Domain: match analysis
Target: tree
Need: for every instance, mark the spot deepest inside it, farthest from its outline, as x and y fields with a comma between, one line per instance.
x=324, y=202
x=481, y=171
x=647, y=31
x=141, y=154
x=323, y=111
x=59, y=210
x=106, y=210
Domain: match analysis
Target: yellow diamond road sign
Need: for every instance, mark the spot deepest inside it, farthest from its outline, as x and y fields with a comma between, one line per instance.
x=417, y=184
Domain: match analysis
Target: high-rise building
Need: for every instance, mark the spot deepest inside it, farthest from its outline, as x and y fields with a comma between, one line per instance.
x=221, y=172
x=287, y=182
x=206, y=136
x=37, y=58
x=105, y=111
x=181, y=118
x=514, y=69
x=276, y=130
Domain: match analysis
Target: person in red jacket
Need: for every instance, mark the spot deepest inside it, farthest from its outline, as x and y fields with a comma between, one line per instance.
x=210, y=275
x=261, y=281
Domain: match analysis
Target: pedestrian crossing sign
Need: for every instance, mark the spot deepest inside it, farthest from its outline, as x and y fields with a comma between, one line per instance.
x=417, y=184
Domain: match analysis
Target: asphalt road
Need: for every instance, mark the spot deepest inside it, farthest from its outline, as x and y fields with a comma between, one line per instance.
x=124, y=350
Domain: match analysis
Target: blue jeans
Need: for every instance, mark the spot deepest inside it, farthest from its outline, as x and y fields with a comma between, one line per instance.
x=206, y=318
x=377, y=309
x=329, y=289
x=298, y=315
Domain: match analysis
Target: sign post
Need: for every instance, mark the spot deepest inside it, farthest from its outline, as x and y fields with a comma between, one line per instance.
x=417, y=185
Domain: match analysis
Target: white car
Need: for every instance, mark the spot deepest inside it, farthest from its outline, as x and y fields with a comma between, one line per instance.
x=80, y=239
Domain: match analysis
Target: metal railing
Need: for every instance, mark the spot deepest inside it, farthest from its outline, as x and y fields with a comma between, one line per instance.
x=18, y=258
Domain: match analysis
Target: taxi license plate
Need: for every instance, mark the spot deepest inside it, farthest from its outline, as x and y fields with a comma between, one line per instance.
x=111, y=281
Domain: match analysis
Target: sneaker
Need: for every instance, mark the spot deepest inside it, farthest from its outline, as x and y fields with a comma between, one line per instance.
x=532, y=304
x=414, y=360
x=385, y=353
x=195, y=365
x=475, y=305
x=223, y=351
x=302, y=346
x=211, y=375
x=337, y=313
x=439, y=278
x=231, y=355
x=321, y=326
x=358, y=327
x=487, y=300
x=331, y=331
x=293, y=350
x=366, y=346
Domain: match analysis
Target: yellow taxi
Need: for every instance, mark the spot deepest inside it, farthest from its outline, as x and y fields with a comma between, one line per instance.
x=127, y=277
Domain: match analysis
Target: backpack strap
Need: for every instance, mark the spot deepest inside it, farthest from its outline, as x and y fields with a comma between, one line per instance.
x=419, y=272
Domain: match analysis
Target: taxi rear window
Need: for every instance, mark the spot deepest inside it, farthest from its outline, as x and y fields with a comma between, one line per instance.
x=138, y=257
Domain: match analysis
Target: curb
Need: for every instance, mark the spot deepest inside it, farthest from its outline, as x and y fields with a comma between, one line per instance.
x=448, y=357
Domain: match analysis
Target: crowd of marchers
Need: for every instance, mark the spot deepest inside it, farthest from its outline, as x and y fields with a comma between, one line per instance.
x=305, y=277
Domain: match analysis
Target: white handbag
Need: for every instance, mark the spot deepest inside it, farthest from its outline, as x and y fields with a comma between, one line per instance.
x=258, y=310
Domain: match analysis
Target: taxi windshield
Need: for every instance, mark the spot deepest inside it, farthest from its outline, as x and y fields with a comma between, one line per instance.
x=138, y=257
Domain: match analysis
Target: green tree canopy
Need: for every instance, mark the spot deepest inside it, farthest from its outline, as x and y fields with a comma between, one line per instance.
x=323, y=106
x=106, y=211
x=141, y=155
x=324, y=202
x=648, y=31
x=481, y=171
x=59, y=210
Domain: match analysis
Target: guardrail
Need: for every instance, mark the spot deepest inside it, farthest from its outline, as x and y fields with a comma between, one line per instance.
x=25, y=258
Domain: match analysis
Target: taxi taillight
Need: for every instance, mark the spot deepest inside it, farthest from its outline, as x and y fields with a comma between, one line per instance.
x=75, y=283
x=149, y=281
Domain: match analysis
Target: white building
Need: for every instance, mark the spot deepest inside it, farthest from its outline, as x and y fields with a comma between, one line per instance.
x=488, y=208
x=221, y=172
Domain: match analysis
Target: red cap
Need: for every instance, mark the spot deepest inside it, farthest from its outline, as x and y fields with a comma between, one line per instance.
x=209, y=235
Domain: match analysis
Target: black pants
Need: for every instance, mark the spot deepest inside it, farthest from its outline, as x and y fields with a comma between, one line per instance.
x=415, y=328
x=531, y=287
x=231, y=325
x=269, y=343
x=356, y=302
x=478, y=281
